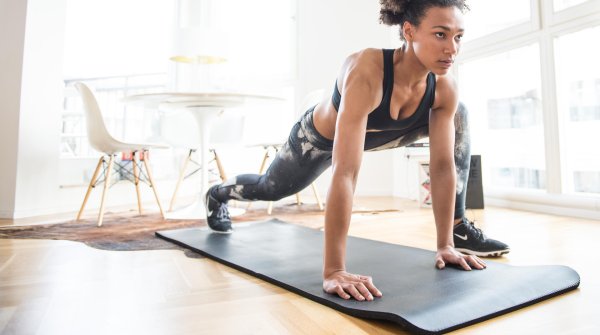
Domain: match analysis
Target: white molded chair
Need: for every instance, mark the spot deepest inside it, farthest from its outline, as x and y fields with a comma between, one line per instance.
x=101, y=140
x=311, y=99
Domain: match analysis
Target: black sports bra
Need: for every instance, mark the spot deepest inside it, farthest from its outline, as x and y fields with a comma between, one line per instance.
x=380, y=118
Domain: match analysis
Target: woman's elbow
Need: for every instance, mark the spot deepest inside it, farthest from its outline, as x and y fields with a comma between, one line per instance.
x=441, y=166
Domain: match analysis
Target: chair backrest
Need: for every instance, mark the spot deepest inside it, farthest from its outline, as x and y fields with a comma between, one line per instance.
x=98, y=135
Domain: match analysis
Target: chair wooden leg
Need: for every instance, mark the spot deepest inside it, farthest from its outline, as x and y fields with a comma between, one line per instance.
x=180, y=179
x=136, y=181
x=270, y=208
x=153, y=185
x=316, y=192
x=90, y=187
x=105, y=189
x=219, y=166
x=264, y=162
x=260, y=171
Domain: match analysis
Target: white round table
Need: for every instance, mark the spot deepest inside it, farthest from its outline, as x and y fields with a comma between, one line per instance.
x=205, y=107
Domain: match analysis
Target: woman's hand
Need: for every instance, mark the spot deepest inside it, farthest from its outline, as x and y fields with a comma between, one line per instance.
x=451, y=256
x=348, y=285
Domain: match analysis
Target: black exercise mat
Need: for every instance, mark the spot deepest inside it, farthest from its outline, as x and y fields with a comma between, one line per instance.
x=416, y=295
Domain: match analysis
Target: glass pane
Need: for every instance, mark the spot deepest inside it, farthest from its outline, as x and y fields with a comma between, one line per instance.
x=240, y=51
x=260, y=47
x=502, y=94
x=115, y=37
x=116, y=51
x=578, y=94
x=563, y=4
x=487, y=17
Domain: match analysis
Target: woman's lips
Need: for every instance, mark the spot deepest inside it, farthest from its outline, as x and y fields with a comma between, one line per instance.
x=446, y=63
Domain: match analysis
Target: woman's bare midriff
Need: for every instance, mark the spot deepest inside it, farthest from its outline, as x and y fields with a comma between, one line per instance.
x=324, y=118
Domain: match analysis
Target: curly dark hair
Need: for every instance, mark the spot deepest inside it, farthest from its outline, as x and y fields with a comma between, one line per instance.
x=396, y=12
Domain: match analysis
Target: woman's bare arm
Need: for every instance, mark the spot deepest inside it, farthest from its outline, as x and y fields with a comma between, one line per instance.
x=358, y=100
x=443, y=174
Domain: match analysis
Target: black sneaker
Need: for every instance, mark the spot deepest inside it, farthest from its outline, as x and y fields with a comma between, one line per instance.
x=470, y=240
x=217, y=214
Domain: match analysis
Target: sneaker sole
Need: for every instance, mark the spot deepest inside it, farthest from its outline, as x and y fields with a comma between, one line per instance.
x=496, y=253
x=209, y=227
x=221, y=232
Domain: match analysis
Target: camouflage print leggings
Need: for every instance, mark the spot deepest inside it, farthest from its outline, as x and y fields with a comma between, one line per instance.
x=306, y=154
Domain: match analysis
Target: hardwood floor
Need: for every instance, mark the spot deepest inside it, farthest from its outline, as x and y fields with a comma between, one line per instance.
x=62, y=287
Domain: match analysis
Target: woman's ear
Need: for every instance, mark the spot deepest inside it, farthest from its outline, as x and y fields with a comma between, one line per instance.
x=408, y=31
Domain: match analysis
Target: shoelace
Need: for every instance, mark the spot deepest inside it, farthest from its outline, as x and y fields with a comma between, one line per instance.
x=223, y=212
x=471, y=226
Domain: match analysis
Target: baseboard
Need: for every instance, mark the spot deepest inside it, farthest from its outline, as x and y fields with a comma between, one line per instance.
x=6, y=214
x=564, y=206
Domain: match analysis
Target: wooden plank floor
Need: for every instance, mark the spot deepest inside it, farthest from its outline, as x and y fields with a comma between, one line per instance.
x=62, y=287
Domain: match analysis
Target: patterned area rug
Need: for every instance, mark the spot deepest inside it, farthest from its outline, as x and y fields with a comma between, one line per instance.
x=129, y=231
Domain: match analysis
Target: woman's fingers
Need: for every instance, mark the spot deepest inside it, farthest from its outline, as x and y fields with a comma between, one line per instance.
x=354, y=286
x=358, y=291
x=364, y=291
x=350, y=288
x=368, y=281
x=439, y=263
x=451, y=256
x=476, y=262
x=462, y=262
x=340, y=291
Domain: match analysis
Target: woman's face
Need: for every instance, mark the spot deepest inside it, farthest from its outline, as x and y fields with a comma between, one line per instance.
x=436, y=40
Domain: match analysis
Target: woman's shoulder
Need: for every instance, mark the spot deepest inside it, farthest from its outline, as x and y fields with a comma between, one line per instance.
x=366, y=57
x=367, y=54
x=364, y=62
x=446, y=82
x=446, y=90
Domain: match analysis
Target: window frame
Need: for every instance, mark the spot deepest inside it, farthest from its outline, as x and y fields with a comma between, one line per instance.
x=545, y=26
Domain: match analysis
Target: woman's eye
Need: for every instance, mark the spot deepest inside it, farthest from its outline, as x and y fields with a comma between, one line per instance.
x=440, y=35
x=459, y=37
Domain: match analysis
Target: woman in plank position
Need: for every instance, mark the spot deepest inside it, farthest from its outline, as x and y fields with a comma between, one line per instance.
x=382, y=99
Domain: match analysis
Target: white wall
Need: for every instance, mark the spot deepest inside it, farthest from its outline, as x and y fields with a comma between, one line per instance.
x=41, y=107
x=328, y=31
x=12, y=39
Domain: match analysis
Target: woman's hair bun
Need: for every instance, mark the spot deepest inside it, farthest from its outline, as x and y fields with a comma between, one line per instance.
x=392, y=11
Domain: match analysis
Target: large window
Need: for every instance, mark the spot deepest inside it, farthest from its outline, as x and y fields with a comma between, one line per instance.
x=486, y=17
x=238, y=44
x=117, y=51
x=506, y=115
x=532, y=87
x=124, y=47
x=578, y=101
x=251, y=48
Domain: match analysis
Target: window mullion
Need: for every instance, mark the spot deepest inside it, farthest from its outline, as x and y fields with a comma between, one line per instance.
x=538, y=18
x=546, y=14
x=552, y=138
